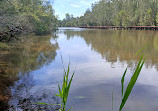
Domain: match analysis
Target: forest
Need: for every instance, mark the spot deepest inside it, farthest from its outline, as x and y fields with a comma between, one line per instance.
x=26, y=16
x=116, y=13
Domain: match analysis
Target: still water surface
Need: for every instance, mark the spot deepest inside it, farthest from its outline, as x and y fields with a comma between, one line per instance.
x=99, y=58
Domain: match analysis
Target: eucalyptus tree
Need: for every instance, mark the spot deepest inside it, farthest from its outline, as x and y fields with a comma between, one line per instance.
x=121, y=12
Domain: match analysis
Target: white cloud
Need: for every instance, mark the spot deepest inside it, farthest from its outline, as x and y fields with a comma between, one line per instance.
x=85, y=3
x=75, y=5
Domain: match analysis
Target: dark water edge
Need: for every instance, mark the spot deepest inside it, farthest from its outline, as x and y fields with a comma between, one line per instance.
x=122, y=28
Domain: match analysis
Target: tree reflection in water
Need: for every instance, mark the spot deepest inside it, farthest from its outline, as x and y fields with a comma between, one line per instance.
x=29, y=54
x=120, y=45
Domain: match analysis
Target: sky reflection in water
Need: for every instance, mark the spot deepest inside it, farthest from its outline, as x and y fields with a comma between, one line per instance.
x=99, y=58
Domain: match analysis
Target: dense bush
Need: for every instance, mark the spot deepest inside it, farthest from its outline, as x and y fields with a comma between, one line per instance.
x=32, y=15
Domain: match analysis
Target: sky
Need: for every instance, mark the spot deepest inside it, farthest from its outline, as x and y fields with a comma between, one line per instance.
x=75, y=7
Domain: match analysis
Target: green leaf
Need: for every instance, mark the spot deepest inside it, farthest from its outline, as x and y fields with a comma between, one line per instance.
x=132, y=82
x=60, y=92
x=68, y=69
x=57, y=95
x=122, y=81
x=70, y=81
x=69, y=109
x=138, y=52
x=64, y=91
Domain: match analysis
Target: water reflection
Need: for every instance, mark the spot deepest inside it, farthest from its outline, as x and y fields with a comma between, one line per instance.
x=23, y=56
x=99, y=58
x=120, y=44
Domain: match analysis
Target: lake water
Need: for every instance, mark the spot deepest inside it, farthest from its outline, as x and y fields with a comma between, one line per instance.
x=99, y=58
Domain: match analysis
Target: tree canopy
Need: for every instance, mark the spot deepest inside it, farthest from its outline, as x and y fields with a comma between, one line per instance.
x=118, y=13
x=35, y=16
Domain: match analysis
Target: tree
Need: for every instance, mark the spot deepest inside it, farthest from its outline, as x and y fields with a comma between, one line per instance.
x=122, y=19
x=67, y=15
x=32, y=15
x=157, y=18
x=120, y=13
x=148, y=17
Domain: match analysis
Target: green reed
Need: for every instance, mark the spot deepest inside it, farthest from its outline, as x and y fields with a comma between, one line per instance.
x=64, y=91
x=131, y=83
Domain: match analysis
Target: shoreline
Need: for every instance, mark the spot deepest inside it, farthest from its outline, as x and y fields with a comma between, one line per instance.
x=122, y=28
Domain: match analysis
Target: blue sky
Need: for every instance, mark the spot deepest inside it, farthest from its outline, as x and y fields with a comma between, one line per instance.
x=75, y=7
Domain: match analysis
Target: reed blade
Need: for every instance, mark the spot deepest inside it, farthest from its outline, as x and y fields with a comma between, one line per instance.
x=122, y=81
x=132, y=82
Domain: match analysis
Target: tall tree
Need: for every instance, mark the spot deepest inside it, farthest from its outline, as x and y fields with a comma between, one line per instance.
x=120, y=12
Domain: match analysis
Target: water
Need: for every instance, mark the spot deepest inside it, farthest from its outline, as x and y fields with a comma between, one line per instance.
x=99, y=58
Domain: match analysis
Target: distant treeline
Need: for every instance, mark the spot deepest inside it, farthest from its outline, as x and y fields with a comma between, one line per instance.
x=117, y=13
x=35, y=16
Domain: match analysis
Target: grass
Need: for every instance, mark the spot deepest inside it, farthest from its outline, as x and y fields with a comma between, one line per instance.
x=64, y=90
x=131, y=83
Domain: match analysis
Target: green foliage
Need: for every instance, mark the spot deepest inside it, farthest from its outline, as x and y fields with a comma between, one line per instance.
x=121, y=18
x=157, y=18
x=68, y=21
x=148, y=17
x=64, y=91
x=67, y=16
x=33, y=15
x=117, y=12
x=132, y=82
x=122, y=81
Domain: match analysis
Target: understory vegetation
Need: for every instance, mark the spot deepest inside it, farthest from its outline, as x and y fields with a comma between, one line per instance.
x=116, y=13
